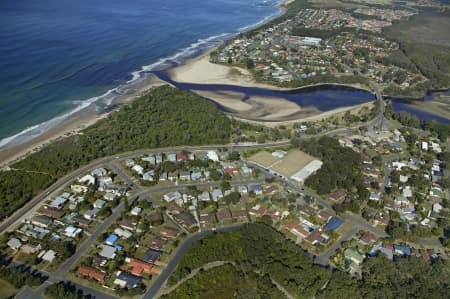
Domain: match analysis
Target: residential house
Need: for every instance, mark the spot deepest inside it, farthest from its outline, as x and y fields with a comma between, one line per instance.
x=174, y=209
x=185, y=175
x=204, y=196
x=127, y=223
x=257, y=211
x=257, y=189
x=78, y=189
x=72, y=231
x=41, y=221
x=316, y=237
x=14, y=243
x=99, y=203
x=92, y=273
x=31, y=248
x=111, y=239
x=148, y=176
x=126, y=280
x=139, y=267
x=151, y=256
x=136, y=211
x=186, y=220
x=224, y=214
x=402, y=250
x=107, y=251
x=99, y=172
x=295, y=228
x=158, y=244
x=123, y=233
x=353, y=255
x=138, y=169
x=47, y=256
x=216, y=195
x=155, y=218
x=52, y=212
x=324, y=215
x=241, y=214
x=58, y=202
x=207, y=219
x=338, y=195
x=168, y=232
x=87, y=180
x=91, y=214
x=367, y=238
x=169, y=197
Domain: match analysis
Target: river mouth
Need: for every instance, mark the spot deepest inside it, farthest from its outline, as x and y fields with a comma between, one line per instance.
x=272, y=105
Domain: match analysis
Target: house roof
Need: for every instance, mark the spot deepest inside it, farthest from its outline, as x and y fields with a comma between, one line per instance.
x=168, y=231
x=224, y=214
x=138, y=267
x=53, y=212
x=111, y=239
x=334, y=223
x=131, y=281
x=91, y=272
x=158, y=243
x=151, y=256
x=186, y=219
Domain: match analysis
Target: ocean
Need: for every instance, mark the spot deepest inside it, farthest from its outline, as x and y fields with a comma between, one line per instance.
x=59, y=57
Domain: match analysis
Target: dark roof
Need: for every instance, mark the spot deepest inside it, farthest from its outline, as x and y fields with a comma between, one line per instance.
x=224, y=214
x=130, y=279
x=52, y=212
x=187, y=219
x=151, y=256
x=154, y=217
x=81, y=220
x=158, y=243
x=334, y=223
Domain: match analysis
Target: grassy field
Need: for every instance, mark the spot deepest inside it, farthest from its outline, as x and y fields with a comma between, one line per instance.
x=263, y=158
x=7, y=290
x=292, y=163
x=287, y=166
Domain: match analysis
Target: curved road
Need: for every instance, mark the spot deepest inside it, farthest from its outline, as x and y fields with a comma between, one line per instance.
x=152, y=292
x=9, y=223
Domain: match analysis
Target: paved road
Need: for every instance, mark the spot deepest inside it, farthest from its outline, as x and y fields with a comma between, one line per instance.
x=11, y=222
x=323, y=259
x=153, y=291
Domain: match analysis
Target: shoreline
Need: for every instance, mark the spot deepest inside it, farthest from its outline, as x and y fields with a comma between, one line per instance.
x=74, y=124
x=88, y=116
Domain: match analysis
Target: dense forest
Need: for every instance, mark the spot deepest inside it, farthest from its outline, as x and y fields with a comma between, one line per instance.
x=64, y=290
x=228, y=282
x=259, y=247
x=164, y=117
x=341, y=167
x=426, y=47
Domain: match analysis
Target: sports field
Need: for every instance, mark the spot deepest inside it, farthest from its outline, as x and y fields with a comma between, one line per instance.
x=290, y=164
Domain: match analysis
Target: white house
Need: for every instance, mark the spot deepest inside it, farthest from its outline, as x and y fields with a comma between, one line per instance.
x=138, y=169
x=87, y=180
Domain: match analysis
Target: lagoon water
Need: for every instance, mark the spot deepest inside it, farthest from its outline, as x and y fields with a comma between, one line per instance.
x=57, y=56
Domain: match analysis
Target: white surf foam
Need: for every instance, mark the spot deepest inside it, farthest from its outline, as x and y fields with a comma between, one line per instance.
x=107, y=98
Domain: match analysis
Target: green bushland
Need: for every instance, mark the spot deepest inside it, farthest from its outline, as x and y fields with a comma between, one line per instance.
x=427, y=49
x=228, y=282
x=341, y=167
x=164, y=117
x=259, y=247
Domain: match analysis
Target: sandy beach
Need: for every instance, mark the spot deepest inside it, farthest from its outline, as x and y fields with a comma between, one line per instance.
x=73, y=124
x=200, y=70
